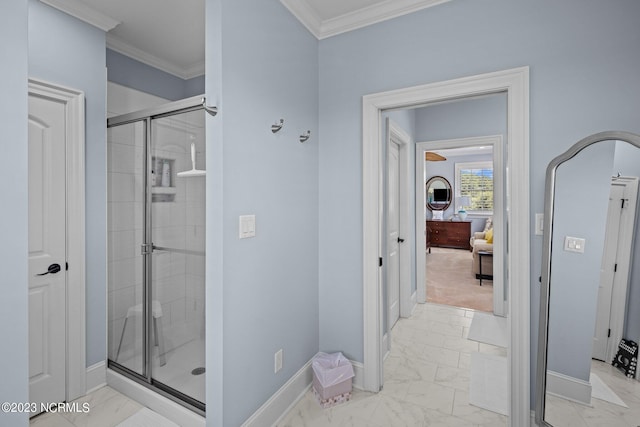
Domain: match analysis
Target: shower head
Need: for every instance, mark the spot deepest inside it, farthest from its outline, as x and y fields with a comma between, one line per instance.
x=193, y=172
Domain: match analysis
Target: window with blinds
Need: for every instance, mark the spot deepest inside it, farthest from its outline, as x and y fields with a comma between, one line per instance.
x=475, y=180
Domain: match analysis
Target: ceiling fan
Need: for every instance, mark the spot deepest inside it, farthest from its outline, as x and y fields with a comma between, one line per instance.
x=433, y=157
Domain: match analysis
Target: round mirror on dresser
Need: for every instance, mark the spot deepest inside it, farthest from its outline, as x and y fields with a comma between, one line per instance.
x=438, y=193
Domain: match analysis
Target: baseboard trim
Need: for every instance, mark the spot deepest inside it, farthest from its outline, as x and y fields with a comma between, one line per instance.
x=358, y=370
x=96, y=377
x=386, y=345
x=414, y=301
x=278, y=405
x=570, y=388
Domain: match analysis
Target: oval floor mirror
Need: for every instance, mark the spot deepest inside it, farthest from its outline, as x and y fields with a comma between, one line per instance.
x=590, y=290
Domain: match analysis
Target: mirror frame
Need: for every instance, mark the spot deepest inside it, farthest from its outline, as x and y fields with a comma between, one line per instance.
x=543, y=326
x=426, y=189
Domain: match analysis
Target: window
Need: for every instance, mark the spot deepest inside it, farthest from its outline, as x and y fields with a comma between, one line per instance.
x=475, y=180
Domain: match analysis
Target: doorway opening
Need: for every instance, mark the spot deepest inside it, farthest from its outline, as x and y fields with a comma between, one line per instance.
x=515, y=84
x=464, y=249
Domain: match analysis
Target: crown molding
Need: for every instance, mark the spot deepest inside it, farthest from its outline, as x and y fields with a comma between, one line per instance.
x=116, y=44
x=373, y=14
x=195, y=70
x=83, y=12
x=306, y=15
x=357, y=19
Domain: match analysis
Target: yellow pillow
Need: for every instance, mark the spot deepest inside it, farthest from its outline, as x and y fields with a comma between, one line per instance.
x=489, y=235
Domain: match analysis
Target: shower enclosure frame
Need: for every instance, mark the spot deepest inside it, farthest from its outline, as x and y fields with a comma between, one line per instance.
x=147, y=116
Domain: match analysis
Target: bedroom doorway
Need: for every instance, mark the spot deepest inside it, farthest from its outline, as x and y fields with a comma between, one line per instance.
x=464, y=259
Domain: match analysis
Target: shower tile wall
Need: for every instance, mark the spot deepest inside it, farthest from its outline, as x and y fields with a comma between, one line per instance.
x=178, y=222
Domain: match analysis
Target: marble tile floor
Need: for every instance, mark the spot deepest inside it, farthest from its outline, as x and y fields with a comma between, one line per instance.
x=561, y=412
x=107, y=408
x=426, y=379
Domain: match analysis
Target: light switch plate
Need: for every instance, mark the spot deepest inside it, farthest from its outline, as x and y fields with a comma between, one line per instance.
x=539, y=224
x=247, y=226
x=574, y=244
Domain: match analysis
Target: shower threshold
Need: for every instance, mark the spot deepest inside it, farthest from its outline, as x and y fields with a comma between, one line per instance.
x=159, y=388
x=155, y=400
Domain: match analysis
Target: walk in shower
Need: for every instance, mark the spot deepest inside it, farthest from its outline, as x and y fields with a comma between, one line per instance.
x=156, y=249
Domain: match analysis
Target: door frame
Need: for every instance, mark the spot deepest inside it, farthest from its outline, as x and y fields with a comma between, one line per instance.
x=515, y=82
x=496, y=142
x=75, y=217
x=621, y=279
x=399, y=136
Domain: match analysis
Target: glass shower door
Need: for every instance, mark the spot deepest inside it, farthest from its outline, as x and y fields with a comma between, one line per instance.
x=177, y=265
x=126, y=212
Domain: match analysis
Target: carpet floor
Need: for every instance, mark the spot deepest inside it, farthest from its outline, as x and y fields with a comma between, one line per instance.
x=450, y=281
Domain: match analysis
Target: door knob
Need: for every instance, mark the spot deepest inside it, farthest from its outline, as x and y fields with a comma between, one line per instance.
x=400, y=240
x=53, y=269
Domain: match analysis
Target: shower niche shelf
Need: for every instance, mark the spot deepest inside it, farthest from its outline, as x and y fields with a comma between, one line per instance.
x=163, y=179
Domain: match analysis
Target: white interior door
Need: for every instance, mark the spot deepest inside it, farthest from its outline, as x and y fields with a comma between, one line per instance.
x=607, y=274
x=393, y=231
x=47, y=249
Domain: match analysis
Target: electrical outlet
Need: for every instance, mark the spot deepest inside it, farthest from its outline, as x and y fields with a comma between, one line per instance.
x=278, y=361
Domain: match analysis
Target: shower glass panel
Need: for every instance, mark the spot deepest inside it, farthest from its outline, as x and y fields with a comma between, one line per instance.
x=125, y=146
x=156, y=255
x=178, y=235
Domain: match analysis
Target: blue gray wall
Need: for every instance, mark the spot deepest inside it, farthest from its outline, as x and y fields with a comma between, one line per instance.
x=66, y=51
x=465, y=118
x=580, y=61
x=581, y=202
x=268, y=283
x=14, y=369
x=134, y=74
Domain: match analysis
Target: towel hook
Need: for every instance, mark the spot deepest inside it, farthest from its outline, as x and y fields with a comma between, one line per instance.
x=277, y=126
x=211, y=110
x=305, y=136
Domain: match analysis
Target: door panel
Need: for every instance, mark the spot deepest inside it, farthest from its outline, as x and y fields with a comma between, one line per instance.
x=393, y=229
x=178, y=235
x=125, y=201
x=47, y=246
x=603, y=315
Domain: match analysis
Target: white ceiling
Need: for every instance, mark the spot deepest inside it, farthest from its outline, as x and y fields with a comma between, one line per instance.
x=169, y=34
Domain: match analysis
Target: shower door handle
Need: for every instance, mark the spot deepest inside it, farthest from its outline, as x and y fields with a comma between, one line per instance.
x=53, y=269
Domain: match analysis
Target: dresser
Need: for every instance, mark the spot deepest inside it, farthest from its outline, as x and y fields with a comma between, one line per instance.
x=449, y=234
